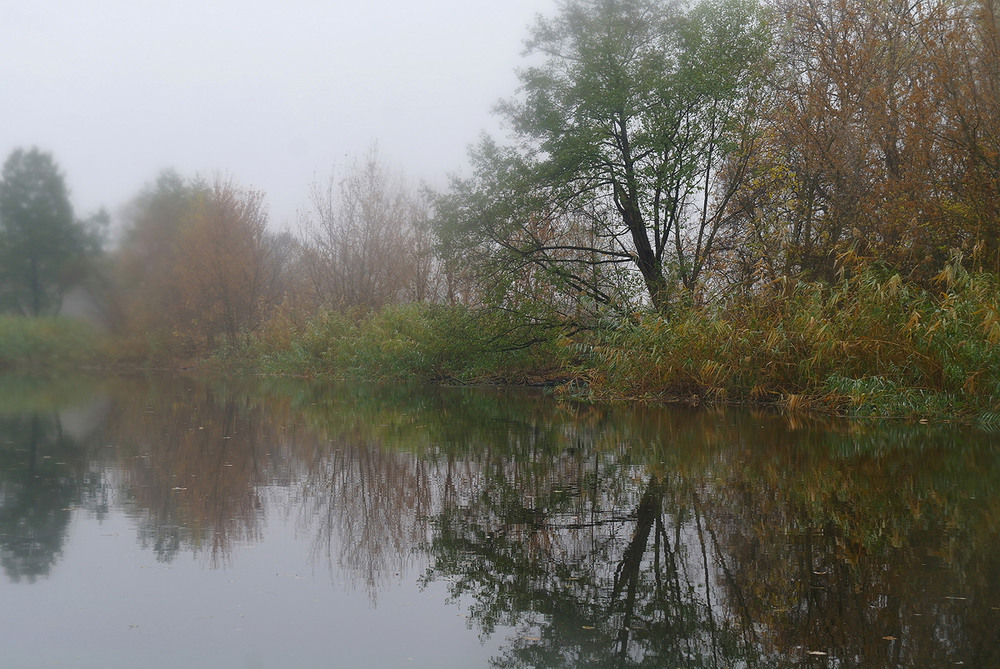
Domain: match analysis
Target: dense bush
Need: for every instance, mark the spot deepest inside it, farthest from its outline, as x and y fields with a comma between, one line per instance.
x=871, y=344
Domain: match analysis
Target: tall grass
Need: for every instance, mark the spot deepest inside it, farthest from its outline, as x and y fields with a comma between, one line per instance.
x=872, y=344
x=46, y=344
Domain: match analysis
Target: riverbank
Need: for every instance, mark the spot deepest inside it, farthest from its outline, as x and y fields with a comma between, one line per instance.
x=409, y=342
x=871, y=345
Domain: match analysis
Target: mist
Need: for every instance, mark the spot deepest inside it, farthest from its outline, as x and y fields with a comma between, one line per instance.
x=275, y=95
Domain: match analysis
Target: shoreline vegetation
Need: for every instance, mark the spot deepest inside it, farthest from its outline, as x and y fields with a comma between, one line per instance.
x=869, y=345
x=872, y=345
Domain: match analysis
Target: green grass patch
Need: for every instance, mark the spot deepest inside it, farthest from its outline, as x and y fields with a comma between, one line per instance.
x=46, y=344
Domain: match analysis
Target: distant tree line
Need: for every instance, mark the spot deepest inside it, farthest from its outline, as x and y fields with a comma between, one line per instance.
x=198, y=266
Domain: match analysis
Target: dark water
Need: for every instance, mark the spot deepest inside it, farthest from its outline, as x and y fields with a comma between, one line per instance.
x=170, y=522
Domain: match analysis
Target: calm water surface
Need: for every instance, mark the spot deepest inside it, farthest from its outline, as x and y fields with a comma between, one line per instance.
x=168, y=521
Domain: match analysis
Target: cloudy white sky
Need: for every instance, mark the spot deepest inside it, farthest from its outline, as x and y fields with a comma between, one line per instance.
x=275, y=93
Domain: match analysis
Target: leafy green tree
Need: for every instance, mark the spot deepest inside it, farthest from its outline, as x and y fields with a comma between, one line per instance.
x=42, y=246
x=629, y=138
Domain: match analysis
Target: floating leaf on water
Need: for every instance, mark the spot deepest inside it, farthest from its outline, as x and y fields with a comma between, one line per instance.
x=532, y=638
x=817, y=653
x=889, y=638
x=588, y=627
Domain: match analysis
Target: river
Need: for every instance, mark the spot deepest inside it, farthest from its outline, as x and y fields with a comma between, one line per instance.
x=166, y=520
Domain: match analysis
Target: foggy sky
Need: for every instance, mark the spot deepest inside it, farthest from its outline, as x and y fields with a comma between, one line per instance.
x=273, y=93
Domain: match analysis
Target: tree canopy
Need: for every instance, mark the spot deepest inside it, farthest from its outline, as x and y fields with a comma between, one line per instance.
x=628, y=136
x=198, y=262
x=42, y=245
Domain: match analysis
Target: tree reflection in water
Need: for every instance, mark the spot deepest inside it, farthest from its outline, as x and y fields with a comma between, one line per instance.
x=604, y=536
x=45, y=472
x=367, y=507
x=194, y=461
x=767, y=547
x=610, y=574
x=36, y=491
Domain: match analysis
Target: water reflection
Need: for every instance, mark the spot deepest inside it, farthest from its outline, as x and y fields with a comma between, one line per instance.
x=44, y=472
x=193, y=459
x=604, y=536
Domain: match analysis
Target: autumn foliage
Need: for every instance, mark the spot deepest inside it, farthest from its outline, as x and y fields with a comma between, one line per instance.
x=198, y=267
x=881, y=135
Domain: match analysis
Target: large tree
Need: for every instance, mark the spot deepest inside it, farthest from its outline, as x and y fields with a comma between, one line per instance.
x=197, y=264
x=628, y=134
x=42, y=245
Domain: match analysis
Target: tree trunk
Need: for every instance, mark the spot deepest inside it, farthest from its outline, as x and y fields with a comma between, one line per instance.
x=36, y=289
